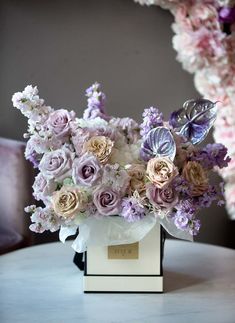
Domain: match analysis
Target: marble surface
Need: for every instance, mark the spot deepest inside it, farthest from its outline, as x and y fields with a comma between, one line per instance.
x=41, y=284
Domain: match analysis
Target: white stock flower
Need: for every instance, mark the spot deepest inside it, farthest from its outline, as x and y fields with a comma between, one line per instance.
x=30, y=105
x=116, y=178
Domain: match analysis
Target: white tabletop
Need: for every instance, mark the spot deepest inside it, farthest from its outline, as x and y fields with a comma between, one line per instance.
x=40, y=284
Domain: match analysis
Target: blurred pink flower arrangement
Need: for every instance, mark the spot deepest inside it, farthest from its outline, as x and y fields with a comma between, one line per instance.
x=205, y=43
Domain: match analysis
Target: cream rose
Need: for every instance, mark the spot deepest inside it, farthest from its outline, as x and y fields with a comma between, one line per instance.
x=100, y=146
x=195, y=175
x=161, y=171
x=137, y=178
x=69, y=201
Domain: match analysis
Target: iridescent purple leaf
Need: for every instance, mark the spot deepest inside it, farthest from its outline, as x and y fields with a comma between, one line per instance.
x=159, y=142
x=194, y=120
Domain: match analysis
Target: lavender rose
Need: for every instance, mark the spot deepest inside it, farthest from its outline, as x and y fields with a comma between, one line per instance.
x=86, y=170
x=162, y=198
x=59, y=122
x=107, y=201
x=57, y=164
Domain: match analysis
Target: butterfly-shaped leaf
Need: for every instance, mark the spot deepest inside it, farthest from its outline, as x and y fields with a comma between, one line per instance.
x=194, y=120
x=159, y=142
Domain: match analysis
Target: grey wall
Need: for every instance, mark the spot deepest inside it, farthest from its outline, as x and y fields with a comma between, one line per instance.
x=64, y=46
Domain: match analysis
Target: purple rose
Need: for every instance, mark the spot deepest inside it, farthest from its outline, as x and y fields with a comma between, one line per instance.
x=57, y=164
x=59, y=122
x=86, y=170
x=107, y=201
x=162, y=198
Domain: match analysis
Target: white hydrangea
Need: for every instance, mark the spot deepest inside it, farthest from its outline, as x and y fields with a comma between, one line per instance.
x=92, y=123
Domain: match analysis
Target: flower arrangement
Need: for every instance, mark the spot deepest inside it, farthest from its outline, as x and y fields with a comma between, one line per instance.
x=100, y=167
x=204, y=42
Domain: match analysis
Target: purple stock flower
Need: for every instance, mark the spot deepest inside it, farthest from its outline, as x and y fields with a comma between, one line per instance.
x=181, y=221
x=152, y=118
x=132, y=210
x=86, y=170
x=96, y=98
x=194, y=227
x=208, y=197
x=181, y=185
x=186, y=207
x=92, y=113
x=95, y=103
x=184, y=216
x=212, y=155
x=187, y=222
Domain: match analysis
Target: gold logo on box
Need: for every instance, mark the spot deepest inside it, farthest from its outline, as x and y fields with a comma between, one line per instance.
x=124, y=251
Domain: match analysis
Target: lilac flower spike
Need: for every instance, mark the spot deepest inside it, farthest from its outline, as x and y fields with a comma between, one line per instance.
x=159, y=142
x=96, y=98
x=212, y=155
x=132, y=210
x=95, y=103
x=152, y=118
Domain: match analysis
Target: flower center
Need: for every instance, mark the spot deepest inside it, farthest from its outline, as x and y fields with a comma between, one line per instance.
x=106, y=198
x=87, y=171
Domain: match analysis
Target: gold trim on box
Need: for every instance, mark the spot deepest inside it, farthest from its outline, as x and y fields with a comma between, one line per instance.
x=124, y=251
